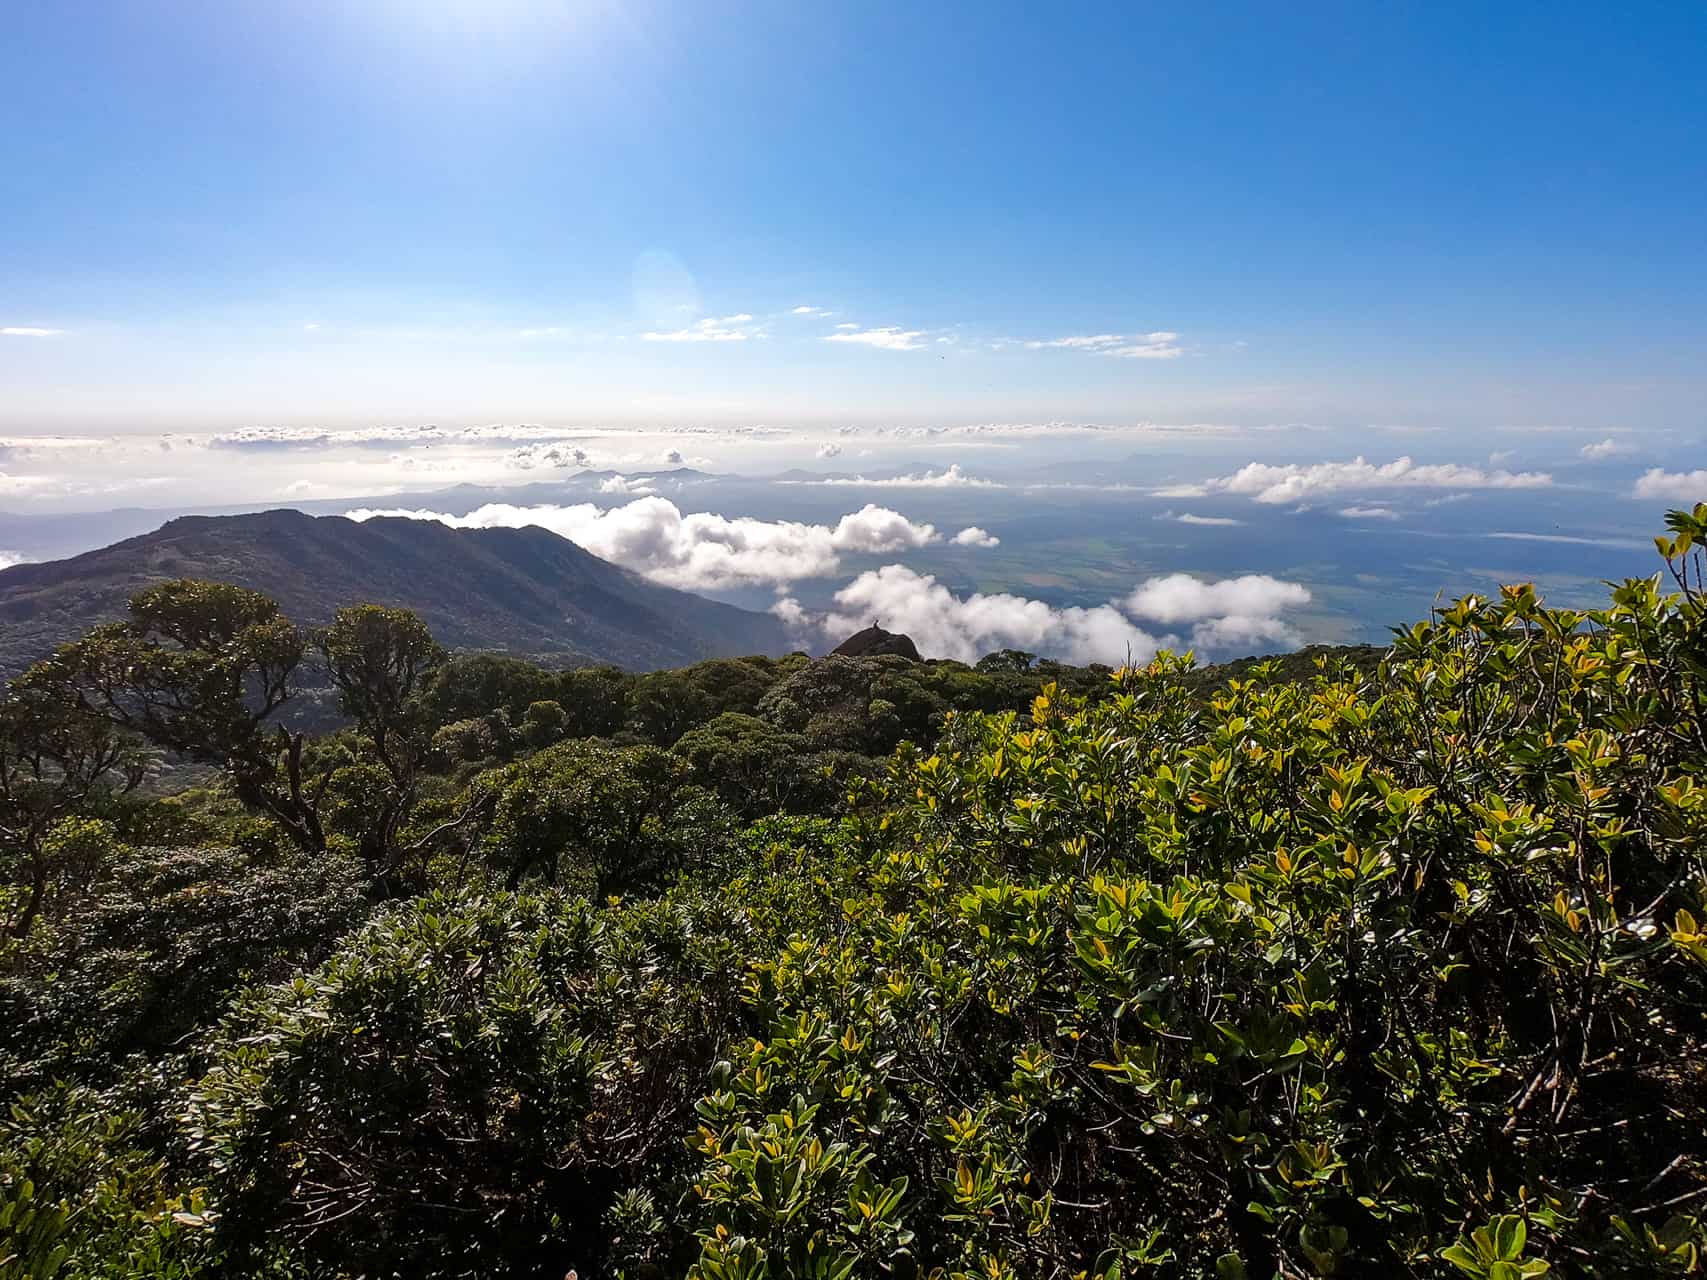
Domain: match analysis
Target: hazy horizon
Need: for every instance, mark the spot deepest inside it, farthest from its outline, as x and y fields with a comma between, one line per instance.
x=1365, y=305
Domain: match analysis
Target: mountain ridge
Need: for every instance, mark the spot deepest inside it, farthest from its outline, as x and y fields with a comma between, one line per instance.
x=524, y=591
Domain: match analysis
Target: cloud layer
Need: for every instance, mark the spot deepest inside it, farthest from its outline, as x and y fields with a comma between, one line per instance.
x=1295, y=482
x=702, y=551
x=952, y=478
x=1226, y=616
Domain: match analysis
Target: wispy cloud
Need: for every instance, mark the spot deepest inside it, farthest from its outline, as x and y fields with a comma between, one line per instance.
x=1093, y=342
x=889, y=338
x=952, y=478
x=28, y=331
x=1186, y=517
x=1622, y=544
x=735, y=328
x=1295, y=482
x=1160, y=345
x=811, y=311
x=1601, y=449
x=1369, y=513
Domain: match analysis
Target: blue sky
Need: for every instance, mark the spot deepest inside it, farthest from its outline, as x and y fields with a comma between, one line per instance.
x=460, y=211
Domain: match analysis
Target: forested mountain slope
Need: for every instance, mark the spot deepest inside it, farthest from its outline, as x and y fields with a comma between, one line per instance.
x=520, y=591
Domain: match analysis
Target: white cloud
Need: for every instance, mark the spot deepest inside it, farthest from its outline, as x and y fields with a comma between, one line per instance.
x=1237, y=614
x=952, y=478
x=967, y=627
x=702, y=551
x=10, y=558
x=1241, y=634
x=29, y=331
x=549, y=455
x=1607, y=448
x=878, y=530
x=1160, y=345
x=790, y=611
x=1179, y=597
x=973, y=536
x=1499, y=457
x=1186, y=517
x=847, y=324
x=269, y=438
x=48, y=446
x=711, y=329
x=1673, y=486
x=814, y=311
x=1369, y=513
x=1294, y=482
x=830, y=450
x=635, y=488
x=887, y=339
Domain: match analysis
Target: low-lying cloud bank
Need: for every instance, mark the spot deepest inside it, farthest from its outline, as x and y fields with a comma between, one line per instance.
x=702, y=551
x=1225, y=617
x=1295, y=482
x=952, y=478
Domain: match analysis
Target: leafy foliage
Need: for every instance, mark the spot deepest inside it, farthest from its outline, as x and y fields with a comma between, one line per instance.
x=606, y=820
x=1395, y=972
x=150, y=953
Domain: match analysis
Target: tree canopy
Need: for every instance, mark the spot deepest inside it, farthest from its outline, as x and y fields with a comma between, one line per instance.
x=1396, y=970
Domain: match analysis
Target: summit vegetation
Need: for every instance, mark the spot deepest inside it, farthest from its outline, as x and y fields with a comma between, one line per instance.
x=1347, y=964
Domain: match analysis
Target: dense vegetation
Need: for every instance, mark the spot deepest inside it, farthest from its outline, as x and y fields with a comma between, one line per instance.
x=861, y=967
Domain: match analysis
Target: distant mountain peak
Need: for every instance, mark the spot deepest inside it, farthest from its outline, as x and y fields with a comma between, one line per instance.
x=523, y=591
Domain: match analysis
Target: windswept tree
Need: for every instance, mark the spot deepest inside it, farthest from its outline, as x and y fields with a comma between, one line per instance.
x=200, y=669
x=53, y=759
x=379, y=659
